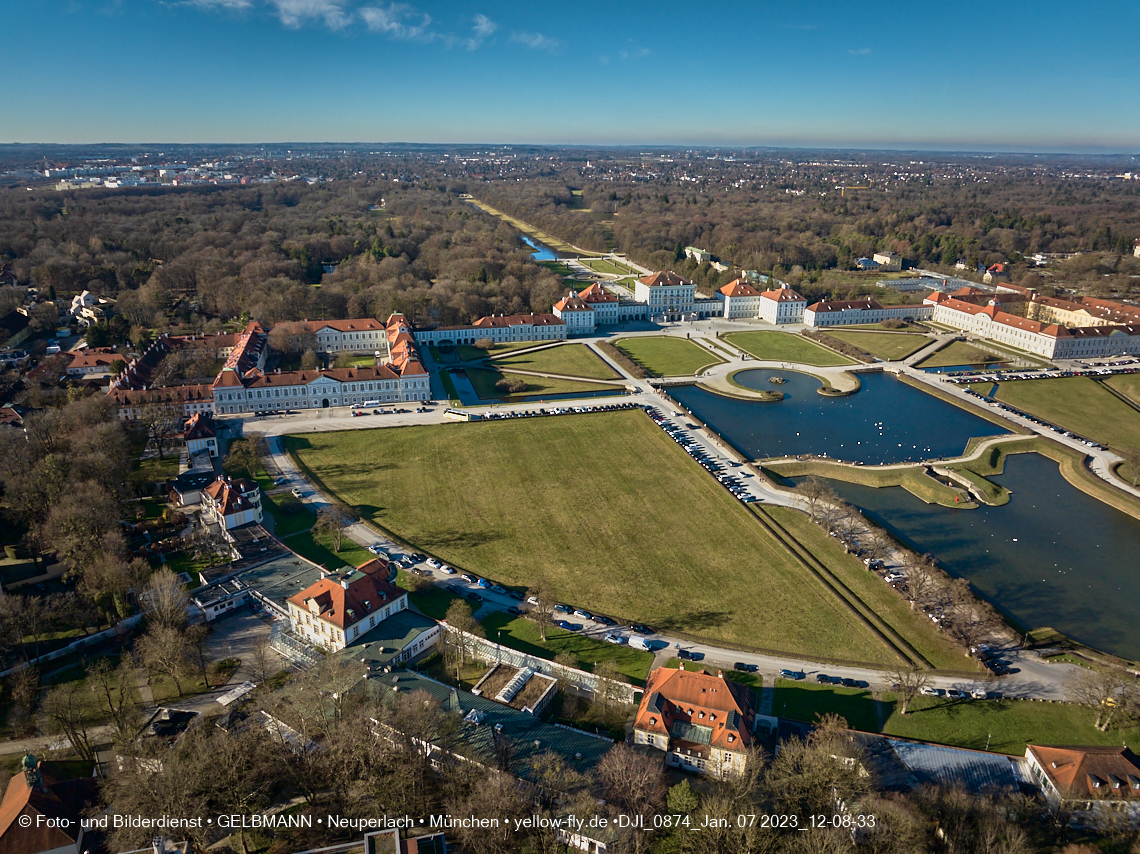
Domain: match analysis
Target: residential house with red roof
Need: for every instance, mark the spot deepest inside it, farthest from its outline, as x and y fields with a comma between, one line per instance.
x=230, y=503
x=97, y=360
x=341, y=606
x=703, y=723
x=199, y=435
x=1095, y=784
x=996, y=273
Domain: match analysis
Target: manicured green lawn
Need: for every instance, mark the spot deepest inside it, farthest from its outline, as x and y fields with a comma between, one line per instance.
x=574, y=360
x=467, y=352
x=958, y=353
x=667, y=357
x=785, y=347
x=601, y=265
x=1008, y=725
x=886, y=345
x=484, y=382
x=605, y=506
x=523, y=634
x=290, y=515
x=1078, y=404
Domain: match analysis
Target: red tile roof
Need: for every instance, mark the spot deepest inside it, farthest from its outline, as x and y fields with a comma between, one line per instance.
x=56, y=799
x=571, y=302
x=664, y=280
x=1084, y=773
x=362, y=324
x=200, y=426
x=231, y=496
x=844, y=305
x=739, y=288
x=176, y=395
x=362, y=591
x=596, y=293
x=783, y=295
x=496, y=321
x=698, y=699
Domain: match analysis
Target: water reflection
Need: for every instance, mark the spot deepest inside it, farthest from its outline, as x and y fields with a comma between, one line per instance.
x=1053, y=556
x=887, y=422
x=541, y=251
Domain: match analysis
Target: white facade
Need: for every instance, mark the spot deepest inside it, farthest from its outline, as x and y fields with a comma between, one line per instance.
x=854, y=312
x=500, y=330
x=888, y=261
x=781, y=306
x=666, y=294
x=1051, y=341
x=365, y=335
x=320, y=390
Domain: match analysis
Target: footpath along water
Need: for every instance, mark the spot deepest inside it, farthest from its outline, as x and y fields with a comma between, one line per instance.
x=887, y=421
x=541, y=251
x=1053, y=556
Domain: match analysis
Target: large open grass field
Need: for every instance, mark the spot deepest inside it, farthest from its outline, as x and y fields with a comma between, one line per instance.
x=607, y=508
x=484, y=382
x=1078, y=404
x=785, y=347
x=958, y=353
x=886, y=345
x=573, y=360
x=1006, y=725
x=667, y=357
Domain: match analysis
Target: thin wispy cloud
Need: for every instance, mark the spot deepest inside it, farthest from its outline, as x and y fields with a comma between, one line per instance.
x=863, y=51
x=536, y=41
x=483, y=29
x=394, y=20
x=636, y=53
x=296, y=13
x=397, y=21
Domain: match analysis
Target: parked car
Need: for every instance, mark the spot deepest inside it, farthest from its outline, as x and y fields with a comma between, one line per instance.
x=585, y=615
x=296, y=492
x=514, y=609
x=793, y=674
x=927, y=691
x=745, y=668
x=433, y=563
x=474, y=597
x=447, y=570
x=514, y=594
x=419, y=558
x=823, y=678
x=469, y=578
x=614, y=637
x=376, y=548
x=955, y=694
x=688, y=655
x=641, y=629
x=563, y=609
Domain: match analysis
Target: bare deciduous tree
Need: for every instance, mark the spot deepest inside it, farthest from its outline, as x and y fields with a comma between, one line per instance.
x=908, y=683
x=333, y=520
x=542, y=599
x=165, y=599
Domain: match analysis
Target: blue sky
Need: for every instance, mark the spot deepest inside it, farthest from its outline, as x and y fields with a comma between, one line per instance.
x=1044, y=75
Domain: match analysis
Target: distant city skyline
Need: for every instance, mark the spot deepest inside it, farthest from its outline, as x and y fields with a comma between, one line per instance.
x=1047, y=76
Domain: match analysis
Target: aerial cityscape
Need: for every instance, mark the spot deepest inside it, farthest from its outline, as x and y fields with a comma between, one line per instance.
x=632, y=453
